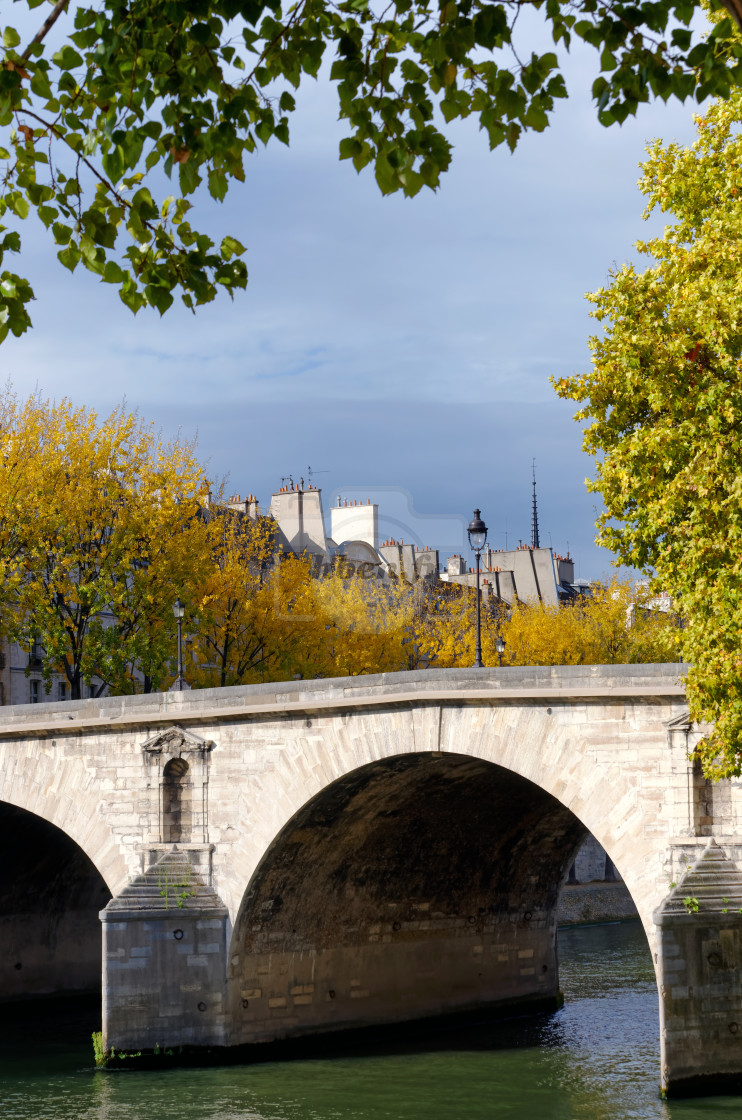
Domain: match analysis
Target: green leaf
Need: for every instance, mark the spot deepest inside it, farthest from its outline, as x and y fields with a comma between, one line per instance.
x=231, y=247
x=69, y=257
x=682, y=38
x=40, y=82
x=47, y=214
x=140, y=85
x=11, y=38
x=67, y=58
x=158, y=297
x=144, y=206
x=608, y=60
x=113, y=274
x=218, y=185
x=62, y=233
x=18, y=203
x=189, y=177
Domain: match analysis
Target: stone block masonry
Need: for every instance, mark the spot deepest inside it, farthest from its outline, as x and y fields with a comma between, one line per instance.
x=343, y=853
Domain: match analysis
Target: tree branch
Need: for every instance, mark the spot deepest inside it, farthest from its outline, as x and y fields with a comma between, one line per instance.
x=46, y=26
x=51, y=128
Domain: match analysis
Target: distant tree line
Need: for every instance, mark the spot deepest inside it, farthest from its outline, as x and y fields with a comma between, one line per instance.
x=103, y=525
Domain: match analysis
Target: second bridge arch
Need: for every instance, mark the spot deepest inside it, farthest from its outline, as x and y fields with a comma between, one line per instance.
x=415, y=886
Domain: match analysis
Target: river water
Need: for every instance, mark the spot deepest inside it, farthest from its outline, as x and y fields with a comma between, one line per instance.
x=597, y=1059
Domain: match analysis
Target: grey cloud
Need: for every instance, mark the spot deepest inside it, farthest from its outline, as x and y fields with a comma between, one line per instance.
x=448, y=458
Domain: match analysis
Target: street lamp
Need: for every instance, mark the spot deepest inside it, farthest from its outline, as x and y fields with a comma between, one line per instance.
x=179, y=684
x=500, y=647
x=477, y=538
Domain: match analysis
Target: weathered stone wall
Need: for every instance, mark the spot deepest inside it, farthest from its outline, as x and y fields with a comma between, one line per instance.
x=607, y=744
x=165, y=934
x=592, y=864
x=164, y=981
x=587, y=903
x=700, y=968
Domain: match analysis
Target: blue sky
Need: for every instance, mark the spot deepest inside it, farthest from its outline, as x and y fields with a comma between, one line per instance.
x=401, y=346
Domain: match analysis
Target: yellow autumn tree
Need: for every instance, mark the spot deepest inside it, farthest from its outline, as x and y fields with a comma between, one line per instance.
x=258, y=621
x=367, y=622
x=230, y=643
x=100, y=531
x=444, y=629
x=269, y=618
x=614, y=625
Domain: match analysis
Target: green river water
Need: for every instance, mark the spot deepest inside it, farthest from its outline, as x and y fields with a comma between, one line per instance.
x=597, y=1059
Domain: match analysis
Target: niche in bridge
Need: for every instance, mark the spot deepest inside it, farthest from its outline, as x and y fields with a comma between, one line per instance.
x=416, y=886
x=176, y=802
x=50, y=897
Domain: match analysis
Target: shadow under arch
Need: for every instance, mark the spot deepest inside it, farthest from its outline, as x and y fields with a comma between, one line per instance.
x=50, y=897
x=415, y=886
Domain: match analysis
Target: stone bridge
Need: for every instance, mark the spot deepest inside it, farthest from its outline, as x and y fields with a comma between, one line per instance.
x=278, y=861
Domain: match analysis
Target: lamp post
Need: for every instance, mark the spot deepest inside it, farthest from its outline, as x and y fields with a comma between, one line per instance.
x=179, y=684
x=500, y=647
x=477, y=532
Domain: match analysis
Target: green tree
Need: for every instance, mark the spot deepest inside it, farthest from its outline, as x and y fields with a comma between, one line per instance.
x=664, y=398
x=192, y=88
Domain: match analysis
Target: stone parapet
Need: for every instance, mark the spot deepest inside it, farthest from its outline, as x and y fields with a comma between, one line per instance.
x=362, y=826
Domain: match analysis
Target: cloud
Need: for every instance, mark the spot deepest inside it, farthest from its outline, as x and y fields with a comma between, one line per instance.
x=426, y=463
x=404, y=342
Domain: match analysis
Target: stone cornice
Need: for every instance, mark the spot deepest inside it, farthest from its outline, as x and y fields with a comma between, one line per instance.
x=156, y=710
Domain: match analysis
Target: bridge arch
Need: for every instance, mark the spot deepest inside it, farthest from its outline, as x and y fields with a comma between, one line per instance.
x=539, y=744
x=50, y=897
x=417, y=884
x=63, y=788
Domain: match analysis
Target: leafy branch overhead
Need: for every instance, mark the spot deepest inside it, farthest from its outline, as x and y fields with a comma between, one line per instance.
x=191, y=88
x=663, y=400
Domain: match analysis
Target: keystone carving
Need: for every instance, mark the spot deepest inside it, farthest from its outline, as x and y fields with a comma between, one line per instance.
x=175, y=741
x=681, y=722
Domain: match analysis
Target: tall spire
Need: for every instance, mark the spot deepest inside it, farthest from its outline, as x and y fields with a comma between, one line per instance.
x=534, y=513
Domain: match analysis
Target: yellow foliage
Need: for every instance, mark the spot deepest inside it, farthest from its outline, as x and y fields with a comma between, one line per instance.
x=103, y=526
x=99, y=533
x=230, y=639
x=279, y=618
x=594, y=630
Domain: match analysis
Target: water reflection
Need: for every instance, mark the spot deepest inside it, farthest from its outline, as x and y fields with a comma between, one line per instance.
x=596, y=1059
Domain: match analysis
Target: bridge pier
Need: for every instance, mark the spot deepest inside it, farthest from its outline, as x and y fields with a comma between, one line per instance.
x=699, y=973
x=164, y=960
